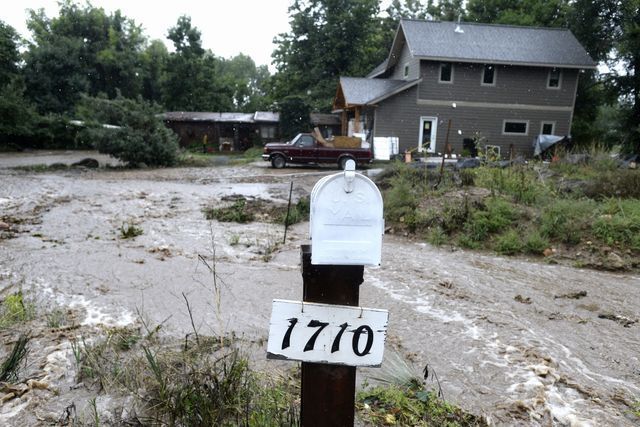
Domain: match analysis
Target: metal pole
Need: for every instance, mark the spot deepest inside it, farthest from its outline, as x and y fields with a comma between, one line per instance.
x=328, y=391
x=286, y=220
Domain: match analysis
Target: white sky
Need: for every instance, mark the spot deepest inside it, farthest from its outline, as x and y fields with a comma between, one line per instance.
x=228, y=27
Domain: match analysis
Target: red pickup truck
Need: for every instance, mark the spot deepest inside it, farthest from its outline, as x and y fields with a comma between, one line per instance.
x=305, y=148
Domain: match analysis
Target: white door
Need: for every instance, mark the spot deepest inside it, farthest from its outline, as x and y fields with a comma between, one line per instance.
x=428, y=131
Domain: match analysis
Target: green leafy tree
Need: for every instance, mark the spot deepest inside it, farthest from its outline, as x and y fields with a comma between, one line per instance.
x=294, y=116
x=193, y=79
x=328, y=38
x=134, y=133
x=82, y=50
x=17, y=115
x=9, y=55
x=627, y=83
x=154, y=63
x=592, y=22
x=247, y=81
x=545, y=13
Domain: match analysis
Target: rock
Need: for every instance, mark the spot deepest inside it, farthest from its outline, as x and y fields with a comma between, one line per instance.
x=4, y=226
x=615, y=261
x=87, y=163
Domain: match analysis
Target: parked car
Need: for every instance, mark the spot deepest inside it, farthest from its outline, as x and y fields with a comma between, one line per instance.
x=306, y=148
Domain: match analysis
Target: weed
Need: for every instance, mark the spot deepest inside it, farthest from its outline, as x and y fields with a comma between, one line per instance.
x=11, y=366
x=298, y=214
x=619, y=223
x=234, y=240
x=234, y=213
x=499, y=214
x=567, y=220
x=57, y=318
x=535, y=244
x=14, y=309
x=410, y=405
x=130, y=231
x=437, y=236
x=93, y=405
x=509, y=243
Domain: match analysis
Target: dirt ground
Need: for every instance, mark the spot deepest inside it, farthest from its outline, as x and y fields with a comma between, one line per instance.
x=522, y=342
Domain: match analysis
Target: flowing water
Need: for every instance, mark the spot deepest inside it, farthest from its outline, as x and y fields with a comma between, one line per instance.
x=520, y=341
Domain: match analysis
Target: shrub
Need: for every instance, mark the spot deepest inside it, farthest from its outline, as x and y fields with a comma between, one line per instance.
x=234, y=213
x=140, y=138
x=619, y=223
x=509, y=243
x=567, y=220
x=401, y=199
x=535, y=244
x=499, y=214
x=437, y=236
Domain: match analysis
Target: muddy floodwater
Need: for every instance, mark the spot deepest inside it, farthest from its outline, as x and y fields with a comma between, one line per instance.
x=520, y=341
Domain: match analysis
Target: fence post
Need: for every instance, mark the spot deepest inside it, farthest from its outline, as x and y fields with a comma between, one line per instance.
x=328, y=391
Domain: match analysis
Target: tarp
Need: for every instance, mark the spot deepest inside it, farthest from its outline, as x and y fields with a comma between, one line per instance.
x=543, y=142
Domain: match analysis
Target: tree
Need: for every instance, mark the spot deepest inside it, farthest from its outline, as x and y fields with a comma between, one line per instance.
x=328, y=38
x=544, y=13
x=140, y=136
x=9, y=55
x=193, y=80
x=81, y=50
x=18, y=116
x=247, y=81
x=154, y=63
x=627, y=49
x=591, y=21
x=294, y=116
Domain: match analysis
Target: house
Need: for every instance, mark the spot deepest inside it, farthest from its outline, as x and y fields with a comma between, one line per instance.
x=453, y=82
x=236, y=131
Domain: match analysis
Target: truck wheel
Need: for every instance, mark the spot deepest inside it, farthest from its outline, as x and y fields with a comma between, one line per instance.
x=278, y=161
x=342, y=163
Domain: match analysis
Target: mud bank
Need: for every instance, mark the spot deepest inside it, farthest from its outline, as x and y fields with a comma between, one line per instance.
x=521, y=342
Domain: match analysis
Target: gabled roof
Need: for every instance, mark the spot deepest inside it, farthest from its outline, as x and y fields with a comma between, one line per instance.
x=485, y=43
x=365, y=91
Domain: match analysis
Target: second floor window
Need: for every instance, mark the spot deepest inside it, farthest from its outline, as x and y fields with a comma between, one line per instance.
x=446, y=72
x=489, y=75
x=406, y=71
x=554, y=79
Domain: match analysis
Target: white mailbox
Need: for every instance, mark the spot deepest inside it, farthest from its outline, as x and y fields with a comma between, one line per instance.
x=346, y=220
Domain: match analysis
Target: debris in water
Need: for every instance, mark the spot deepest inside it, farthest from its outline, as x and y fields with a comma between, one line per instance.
x=572, y=295
x=624, y=321
x=523, y=300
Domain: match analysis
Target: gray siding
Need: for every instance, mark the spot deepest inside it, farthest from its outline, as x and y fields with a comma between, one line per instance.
x=406, y=58
x=514, y=85
x=400, y=116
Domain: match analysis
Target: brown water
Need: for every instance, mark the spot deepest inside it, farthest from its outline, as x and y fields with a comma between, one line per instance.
x=501, y=333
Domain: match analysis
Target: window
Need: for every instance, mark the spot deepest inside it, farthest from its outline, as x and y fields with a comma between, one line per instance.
x=547, y=128
x=489, y=75
x=446, y=73
x=515, y=127
x=406, y=71
x=267, y=131
x=555, y=76
x=305, y=141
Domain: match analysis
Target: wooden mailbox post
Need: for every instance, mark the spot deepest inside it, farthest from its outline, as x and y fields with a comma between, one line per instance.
x=328, y=331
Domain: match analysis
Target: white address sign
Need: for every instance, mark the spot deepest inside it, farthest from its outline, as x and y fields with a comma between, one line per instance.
x=326, y=333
